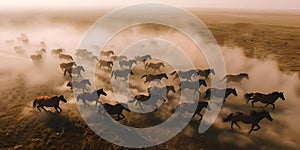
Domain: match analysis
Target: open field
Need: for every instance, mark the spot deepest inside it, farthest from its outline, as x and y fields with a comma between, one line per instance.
x=264, y=44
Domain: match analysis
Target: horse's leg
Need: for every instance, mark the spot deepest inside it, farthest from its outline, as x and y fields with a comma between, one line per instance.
x=265, y=106
x=232, y=125
x=273, y=106
x=252, y=127
x=57, y=111
x=258, y=127
x=201, y=116
x=252, y=103
x=38, y=107
x=43, y=108
x=237, y=125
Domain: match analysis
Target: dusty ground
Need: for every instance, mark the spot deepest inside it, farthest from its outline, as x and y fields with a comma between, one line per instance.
x=260, y=43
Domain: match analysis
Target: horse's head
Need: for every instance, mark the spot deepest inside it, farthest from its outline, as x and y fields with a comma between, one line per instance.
x=165, y=75
x=62, y=98
x=73, y=63
x=101, y=91
x=267, y=115
x=233, y=91
x=162, y=64
x=88, y=82
x=69, y=83
x=212, y=71
x=81, y=68
x=281, y=95
x=202, y=82
x=245, y=75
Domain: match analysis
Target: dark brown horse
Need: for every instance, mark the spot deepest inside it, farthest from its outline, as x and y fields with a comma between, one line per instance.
x=115, y=110
x=205, y=73
x=57, y=51
x=67, y=65
x=151, y=77
x=106, y=53
x=46, y=101
x=65, y=57
x=37, y=59
x=268, y=99
x=219, y=93
x=107, y=64
x=236, y=78
x=154, y=66
x=253, y=118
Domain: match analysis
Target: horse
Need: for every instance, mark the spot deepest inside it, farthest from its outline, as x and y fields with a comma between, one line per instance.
x=81, y=52
x=36, y=59
x=150, y=77
x=66, y=57
x=192, y=85
x=119, y=58
x=184, y=74
x=79, y=85
x=106, y=53
x=107, y=64
x=57, y=51
x=155, y=66
x=93, y=96
x=219, y=93
x=143, y=98
x=41, y=52
x=115, y=110
x=200, y=106
x=253, y=118
x=47, y=101
x=74, y=70
x=236, y=78
x=205, y=73
x=143, y=58
x=127, y=63
x=67, y=65
x=163, y=91
x=122, y=73
x=264, y=98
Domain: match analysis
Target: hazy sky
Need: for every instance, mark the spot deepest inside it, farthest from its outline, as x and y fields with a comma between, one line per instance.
x=69, y=4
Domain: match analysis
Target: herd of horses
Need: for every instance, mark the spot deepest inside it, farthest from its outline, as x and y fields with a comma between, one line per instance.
x=156, y=92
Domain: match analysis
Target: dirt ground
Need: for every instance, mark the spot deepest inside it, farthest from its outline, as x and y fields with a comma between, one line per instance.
x=265, y=44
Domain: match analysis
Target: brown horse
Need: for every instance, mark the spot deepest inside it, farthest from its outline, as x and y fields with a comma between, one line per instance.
x=67, y=65
x=66, y=57
x=205, y=73
x=150, y=77
x=154, y=66
x=57, y=51
x=74, y=70
x=37, y=59
x=49, y=102
x=253, y=118
x=107, y=64
x=106, y=53
x=236, y=78
x=264, y=98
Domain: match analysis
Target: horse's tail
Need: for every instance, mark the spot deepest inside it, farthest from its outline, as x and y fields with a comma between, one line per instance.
x=228, y=118
x=143, y=76
x=34, y=103
x=173, y=72
x=248, y=96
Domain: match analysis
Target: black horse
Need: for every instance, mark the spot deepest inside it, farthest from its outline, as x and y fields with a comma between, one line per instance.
x=268, y=99
x=115, y=110
x=205, y=73
x=150, y=77
x=219, y=93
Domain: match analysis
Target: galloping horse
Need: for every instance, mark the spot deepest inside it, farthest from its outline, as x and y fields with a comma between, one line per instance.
x=163, y=91
x=66, y=57
x=94, y=96
x=150, y=77
x=143, y=58
x=192, y=85
x=127, y=63
x=41, y=52
x=107, y=64
x=122, y=73
x=143, y=98
x=74, y=70
x=205, y=73
x=115, y=110
x=57, y=51
x=264, y=98
x=253, y=118
x=79, y=85
x=155, y=66
x=47, y=101
x=200, y=106
x=236, y=78
x=120, y=58
x=67, y=65
x=106, y=53
x=219, y=93
x=184, y=74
